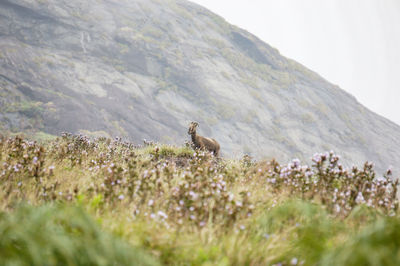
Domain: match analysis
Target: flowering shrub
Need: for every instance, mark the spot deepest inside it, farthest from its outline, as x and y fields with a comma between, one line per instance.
x=21, y=159
x=204, y=194
x=200, y=187
x=339, y=189
x=198, y=194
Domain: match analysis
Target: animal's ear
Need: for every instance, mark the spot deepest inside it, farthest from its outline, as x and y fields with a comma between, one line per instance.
x=196, y=124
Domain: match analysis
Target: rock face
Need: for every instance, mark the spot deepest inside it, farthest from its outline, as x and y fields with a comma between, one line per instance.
x=146, y=68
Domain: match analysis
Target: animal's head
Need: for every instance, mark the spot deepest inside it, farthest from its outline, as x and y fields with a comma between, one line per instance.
x=192, y=127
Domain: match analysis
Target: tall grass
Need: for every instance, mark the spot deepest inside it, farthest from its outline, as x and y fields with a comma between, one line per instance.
x=377, y=244
x=61, y=235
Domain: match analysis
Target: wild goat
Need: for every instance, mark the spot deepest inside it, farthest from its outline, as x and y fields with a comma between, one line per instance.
x=203, y=143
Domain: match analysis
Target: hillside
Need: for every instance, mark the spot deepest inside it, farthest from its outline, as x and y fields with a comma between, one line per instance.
x=146, y=68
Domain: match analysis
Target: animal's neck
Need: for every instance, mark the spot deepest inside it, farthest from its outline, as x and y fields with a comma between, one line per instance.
x=194, y=137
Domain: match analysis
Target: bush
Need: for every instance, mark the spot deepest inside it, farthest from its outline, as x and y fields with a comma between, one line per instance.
x=61, y=235
x=308, y=227
x=377, y=244
x=339, y=189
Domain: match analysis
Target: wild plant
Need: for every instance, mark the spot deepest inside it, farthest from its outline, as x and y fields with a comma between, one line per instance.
x=338, y=188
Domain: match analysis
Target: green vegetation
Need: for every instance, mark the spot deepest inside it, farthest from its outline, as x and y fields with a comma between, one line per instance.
x=165, y=86
x=58, y=234
x=178, y=9
x=225, y=111
x=119, y=128
x=253, y=84
x=79, y=201
x=219, y=24
x=170, y=151
x=250, y=116
x=215, y=42
x=307, y=118
x=41, y=136
x=375, y=245
x=153, y=32
x=277, y=78
x=27, y=108
x=211, y=121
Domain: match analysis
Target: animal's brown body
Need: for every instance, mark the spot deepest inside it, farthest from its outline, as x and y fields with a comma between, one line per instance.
x=203, y=143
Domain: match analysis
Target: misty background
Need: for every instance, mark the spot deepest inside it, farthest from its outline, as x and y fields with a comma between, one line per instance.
x=354, y=44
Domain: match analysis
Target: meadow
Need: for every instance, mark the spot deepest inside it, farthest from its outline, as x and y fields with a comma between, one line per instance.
x=80, y=201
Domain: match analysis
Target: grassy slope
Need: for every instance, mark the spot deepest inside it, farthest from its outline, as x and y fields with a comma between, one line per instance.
x=176, y=206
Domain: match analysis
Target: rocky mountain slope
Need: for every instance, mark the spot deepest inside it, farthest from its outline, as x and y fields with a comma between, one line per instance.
x=146, y=68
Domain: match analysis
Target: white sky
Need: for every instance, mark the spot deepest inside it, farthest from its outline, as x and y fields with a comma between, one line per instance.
x=352, y=43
